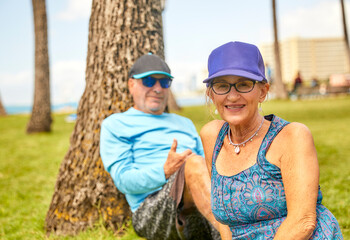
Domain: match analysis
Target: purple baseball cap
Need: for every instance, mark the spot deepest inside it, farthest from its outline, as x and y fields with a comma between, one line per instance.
x=237, y=59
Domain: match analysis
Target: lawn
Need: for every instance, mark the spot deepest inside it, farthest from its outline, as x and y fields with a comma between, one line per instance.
x=29, y=164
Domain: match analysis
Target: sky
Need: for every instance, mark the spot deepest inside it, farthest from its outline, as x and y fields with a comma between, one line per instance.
x=192, y=29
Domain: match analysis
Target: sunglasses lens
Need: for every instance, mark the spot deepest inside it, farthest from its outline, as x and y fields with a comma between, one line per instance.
x=148, y=81
x=165, y=82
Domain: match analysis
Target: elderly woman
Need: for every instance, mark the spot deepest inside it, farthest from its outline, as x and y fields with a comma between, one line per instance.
x=264, y=170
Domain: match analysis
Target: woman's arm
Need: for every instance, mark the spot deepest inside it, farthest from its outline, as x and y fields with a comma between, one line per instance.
x=208, y=134
x=300, y=176
x=225, y=232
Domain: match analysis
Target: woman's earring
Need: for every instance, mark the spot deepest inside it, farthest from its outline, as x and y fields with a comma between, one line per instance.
x=216, y=112
x=260, y=109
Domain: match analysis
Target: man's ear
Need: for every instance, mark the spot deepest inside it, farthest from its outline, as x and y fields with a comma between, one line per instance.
x=264, y=90
x=131, y=84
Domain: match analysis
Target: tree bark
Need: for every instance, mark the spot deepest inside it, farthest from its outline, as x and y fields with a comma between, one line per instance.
x=279, y=88
x=40, y=120
x=172, y=104
x=120, y=31
x=2, y=109
x=346, y=37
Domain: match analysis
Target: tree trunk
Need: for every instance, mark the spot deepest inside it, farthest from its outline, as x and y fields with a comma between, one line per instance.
x=279, y=88
x=2, y=109
x=346, y=38
x=40, y=120
x=172, y=105
x=120, y=31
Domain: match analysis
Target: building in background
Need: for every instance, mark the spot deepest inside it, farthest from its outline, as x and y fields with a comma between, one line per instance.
x=322, y=63
x=316, y=58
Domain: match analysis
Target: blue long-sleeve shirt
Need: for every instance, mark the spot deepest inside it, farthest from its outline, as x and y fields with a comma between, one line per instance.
x=134, y=147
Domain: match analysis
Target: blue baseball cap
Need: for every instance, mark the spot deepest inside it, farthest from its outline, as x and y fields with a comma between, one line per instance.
x=237, y=59
x=149, y=64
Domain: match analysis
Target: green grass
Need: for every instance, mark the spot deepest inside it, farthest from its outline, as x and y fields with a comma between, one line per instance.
x=29, y=164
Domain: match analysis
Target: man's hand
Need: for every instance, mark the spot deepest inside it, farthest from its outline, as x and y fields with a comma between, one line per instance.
x=175, y=160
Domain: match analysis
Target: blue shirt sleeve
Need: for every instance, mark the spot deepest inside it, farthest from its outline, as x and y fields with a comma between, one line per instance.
x=117, y=157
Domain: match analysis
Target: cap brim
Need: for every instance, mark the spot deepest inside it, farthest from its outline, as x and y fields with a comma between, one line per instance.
x=145, y=74
x=233, y=72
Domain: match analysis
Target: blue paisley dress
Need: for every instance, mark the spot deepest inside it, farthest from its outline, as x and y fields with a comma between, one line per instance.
x=253, y=203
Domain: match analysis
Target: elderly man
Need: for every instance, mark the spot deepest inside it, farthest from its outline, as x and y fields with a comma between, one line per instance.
x=156, y=160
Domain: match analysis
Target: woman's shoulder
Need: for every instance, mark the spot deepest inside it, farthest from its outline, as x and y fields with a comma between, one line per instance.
x=296, y=130
x=293, y=139
x=209, y=133
x=293, y=134
x=211, y=128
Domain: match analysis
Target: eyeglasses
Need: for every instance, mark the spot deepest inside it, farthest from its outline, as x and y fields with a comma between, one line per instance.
x=222, y=88
x=151, y=81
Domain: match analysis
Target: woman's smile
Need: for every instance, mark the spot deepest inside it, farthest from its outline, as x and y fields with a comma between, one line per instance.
x=235, y=106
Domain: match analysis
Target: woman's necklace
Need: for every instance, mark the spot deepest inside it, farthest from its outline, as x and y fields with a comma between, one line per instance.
x=237, y=146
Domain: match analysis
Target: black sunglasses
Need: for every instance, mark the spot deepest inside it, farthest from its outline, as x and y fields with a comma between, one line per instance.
x=222, y=88
x=151, y=81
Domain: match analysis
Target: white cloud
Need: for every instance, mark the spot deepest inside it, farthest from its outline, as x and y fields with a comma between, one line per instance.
x=67, y=84
x=16, y=79
x=67, y=81
x=187, y=75
x=17, y=88
x=316, y=21
x=76, y=9
x=320, y=20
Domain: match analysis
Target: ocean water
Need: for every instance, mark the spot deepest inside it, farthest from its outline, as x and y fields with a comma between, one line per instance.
x=28, y=109
x=18, y=109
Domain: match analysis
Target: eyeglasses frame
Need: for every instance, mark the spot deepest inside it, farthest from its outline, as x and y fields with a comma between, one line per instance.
x=234, y=85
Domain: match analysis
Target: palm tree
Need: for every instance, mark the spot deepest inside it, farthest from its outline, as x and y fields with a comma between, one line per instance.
x=40, y=120
x=346, y=38
x=120, y=31
x=2, y=109
x=279, y=89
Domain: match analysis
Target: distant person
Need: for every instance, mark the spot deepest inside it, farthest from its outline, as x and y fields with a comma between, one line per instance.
x=264, y=170
x=314, y=82
x=156, y=160
x=298, y=81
